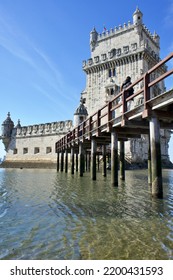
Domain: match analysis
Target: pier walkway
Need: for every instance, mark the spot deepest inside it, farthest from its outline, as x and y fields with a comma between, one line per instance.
x=117, y=122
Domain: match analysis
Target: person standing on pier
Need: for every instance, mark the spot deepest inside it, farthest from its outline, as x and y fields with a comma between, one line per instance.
x=129, y=92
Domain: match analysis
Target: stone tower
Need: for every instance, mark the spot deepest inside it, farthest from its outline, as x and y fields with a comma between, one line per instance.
x=127, y=50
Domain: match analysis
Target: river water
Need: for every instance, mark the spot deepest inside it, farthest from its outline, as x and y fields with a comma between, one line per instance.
x=50, y=215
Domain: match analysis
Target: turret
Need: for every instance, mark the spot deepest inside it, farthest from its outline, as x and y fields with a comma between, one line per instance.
x=81, y=113
x=7, y=127
x=93, y=38
x=137, y=17
x=156, y=38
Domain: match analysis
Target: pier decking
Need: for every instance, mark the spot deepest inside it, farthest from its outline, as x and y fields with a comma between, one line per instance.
x=116, y=122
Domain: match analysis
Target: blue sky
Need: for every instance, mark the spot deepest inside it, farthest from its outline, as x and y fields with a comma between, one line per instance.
x=43, y=44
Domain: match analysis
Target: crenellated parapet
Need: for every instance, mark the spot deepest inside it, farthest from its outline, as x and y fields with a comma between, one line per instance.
x=44, y=129
x=127, y=39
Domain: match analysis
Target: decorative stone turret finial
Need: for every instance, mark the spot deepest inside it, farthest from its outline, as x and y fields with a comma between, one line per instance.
x=156, y=38
x=93, y=38
x=18, y=124
x=137, y=17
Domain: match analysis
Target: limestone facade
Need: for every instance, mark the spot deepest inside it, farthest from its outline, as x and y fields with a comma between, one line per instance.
x=127, y=50
x=34, y=143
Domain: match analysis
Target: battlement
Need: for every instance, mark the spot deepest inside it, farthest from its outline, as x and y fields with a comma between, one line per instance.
x=44, y=129
x=123, y=28
x=114, y=31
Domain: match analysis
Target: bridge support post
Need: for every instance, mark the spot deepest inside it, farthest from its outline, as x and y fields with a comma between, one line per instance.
x=72, y=160
x=62, y=161
x=57, y=167
x=114, y=159
x=156, y=165
x=98, y=162
x=104, y=160
x=93, y=159
x=81, y=159
x=66, y=161
x=122, y=161
x=87, y=161
x=149, y=163
x=76, y=161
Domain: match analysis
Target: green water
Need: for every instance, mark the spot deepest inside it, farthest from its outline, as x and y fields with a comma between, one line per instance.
x=50, y=215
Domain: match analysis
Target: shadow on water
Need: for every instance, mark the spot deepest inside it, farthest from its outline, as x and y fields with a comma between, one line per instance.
x=58, y=216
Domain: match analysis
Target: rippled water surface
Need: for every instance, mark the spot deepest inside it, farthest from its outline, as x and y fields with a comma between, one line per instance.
x=50, y=215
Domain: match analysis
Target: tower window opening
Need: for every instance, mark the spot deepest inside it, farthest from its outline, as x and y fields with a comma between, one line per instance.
x=48, y=150
x=15, y=151
x=25, y=150
x=36, y=150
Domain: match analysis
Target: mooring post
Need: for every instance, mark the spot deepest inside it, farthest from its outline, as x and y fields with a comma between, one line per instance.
x=72, y=160
x=76, y=161
x=57, y=167
x=122, y=161
x=104, y=160
x=62, y=161
x=93, y=158
x=149, y=163
x=114, y=159
x=81, y=159
x=156, y=163
x=66, y=161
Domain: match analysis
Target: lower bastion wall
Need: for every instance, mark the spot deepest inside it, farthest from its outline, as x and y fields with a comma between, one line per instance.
x=34, y=146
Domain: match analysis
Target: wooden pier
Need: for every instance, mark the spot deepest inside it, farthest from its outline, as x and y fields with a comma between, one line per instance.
x=113, y=123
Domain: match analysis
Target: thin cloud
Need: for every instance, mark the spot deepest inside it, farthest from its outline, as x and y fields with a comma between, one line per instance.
x=169, y=17
x=13, y=41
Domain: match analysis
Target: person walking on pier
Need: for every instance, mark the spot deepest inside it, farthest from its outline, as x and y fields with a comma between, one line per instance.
x=129, y=92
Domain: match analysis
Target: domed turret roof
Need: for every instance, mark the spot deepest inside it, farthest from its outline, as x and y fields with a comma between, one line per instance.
x=8, y=120
x=81, y=110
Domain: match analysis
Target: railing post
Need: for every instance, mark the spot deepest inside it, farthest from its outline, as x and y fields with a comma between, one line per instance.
x=109, y=125
x=146, y=90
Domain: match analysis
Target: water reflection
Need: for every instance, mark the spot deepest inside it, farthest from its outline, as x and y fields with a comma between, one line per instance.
x=53, y=215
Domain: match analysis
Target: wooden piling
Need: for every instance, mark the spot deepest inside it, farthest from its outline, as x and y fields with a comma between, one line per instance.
x=76, y=161
x=122, y=161
x=72, y=160
x=81, y=159
x=149, y=163
x=62, y=161
x=114, y=158
x=104, y=160
x=93, y=158
x=57, y=167
x=66, y=161
x=156, y=165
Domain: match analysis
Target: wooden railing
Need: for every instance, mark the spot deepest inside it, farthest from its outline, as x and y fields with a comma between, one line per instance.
x=102, y=120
